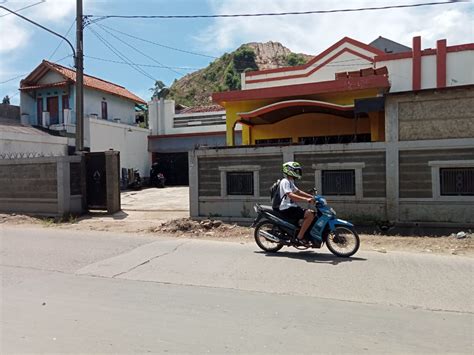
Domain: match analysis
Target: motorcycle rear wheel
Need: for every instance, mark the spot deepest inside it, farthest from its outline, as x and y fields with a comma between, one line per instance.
x=343, y=241
x=264, y=243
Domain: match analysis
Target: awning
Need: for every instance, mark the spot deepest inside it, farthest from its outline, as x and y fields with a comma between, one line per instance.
x=282, y=110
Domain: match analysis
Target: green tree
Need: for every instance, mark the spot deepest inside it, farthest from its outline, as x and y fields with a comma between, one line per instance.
x=6, y=100
x=294, y=59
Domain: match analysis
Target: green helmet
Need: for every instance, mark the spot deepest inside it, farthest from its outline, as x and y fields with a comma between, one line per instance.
x=292, y=168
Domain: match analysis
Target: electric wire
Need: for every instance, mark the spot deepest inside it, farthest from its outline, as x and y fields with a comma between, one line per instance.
x=121, y=55
x=61, y=41
x=97, y=18
x=139, y=64
x=138, y=50
x=24, y=8
x=159, y=44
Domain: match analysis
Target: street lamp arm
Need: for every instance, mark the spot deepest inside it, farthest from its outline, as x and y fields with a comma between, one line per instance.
x=44, y=28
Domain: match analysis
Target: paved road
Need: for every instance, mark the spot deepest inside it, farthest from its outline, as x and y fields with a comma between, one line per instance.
x=95, y=292
x=174, y=198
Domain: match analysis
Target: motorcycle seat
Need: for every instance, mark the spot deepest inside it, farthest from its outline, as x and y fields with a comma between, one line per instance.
x=269, y=209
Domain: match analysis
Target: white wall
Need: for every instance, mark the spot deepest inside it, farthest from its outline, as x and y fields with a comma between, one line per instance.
x=343, y=62
x=399, y=73
x=131, y=142
x=428, y=71
x=51, y=77
x=117, y=107
x=460, y=68
x=164, y=125
x=12, y=142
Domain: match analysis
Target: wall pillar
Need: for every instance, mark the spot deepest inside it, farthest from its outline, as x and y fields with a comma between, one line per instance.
x=441, y=56
x=416, y=64
x=193, y=184
x=392, y=160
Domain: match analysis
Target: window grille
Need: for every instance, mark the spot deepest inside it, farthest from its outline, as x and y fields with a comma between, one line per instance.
x=240, y=183
x=343, y=139
x=457, y=181
x=273, y=141
x=338, y=182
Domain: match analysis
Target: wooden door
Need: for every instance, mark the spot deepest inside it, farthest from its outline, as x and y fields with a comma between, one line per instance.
x=53, y=109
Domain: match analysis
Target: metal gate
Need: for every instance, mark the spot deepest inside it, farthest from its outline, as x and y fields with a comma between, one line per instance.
x=96, y=181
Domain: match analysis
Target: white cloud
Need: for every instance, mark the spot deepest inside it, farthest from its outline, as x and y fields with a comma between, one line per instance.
x=313, y=33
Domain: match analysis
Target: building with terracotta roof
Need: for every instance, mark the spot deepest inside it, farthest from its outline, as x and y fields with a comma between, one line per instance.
x=48, y=98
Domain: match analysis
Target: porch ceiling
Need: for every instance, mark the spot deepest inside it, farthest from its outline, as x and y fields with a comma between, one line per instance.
x=282, y=110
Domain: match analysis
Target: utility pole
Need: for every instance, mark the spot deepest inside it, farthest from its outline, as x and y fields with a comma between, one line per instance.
x=79, y=79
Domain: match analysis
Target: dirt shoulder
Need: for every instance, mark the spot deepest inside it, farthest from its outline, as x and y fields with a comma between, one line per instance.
x=177, y=224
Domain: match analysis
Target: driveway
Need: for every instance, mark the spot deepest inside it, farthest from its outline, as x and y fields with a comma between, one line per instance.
x=153, y=199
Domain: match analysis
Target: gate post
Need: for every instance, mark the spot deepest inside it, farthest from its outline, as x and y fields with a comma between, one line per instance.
x=112, y=167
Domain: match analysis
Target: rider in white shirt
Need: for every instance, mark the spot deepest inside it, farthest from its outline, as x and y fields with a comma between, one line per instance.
x=290, y=194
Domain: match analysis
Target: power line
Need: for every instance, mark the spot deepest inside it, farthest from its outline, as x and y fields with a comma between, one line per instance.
x=26, y=7
x=16, y=77
x=97, y=18
x=159, y=44
x=61, y=41
x=140, y=65
x=22, y=75
x=120, y=55
x=139, y=51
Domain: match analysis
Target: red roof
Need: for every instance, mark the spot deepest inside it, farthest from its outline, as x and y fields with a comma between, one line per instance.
x=202, y=109
x=70, y=74
x=332, y=86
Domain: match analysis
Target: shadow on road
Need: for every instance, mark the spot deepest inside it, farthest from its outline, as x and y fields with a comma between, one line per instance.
x=312, y=257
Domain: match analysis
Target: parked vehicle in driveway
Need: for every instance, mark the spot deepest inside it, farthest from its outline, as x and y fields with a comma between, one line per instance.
x=157, y=178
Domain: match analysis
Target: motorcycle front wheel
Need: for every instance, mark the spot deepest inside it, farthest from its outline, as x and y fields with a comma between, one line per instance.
x=264, y=243
x=343, y=241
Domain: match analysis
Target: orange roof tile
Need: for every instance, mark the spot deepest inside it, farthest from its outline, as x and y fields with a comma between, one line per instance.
x=92, y=82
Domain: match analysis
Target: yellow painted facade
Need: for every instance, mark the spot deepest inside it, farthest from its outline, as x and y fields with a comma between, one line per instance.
x=305, y=125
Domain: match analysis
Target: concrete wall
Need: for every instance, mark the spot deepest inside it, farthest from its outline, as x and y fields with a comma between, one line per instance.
x=422, y=137
x=40, y=186
x=10, y=111
x=440, y=115
x=178, y=144
x=44, y=144
x=130, y=141
x=208, y=167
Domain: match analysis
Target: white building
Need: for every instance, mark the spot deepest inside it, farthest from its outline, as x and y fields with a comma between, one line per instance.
x=48, y=100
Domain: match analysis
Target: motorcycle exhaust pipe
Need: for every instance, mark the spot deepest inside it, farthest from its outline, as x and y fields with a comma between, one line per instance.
x=270, y=237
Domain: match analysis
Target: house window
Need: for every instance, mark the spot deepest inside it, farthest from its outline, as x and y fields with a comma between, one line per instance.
x=341, y=181
x=240, y=183
x=456, y=181
x=104, y=110
x=338, y=182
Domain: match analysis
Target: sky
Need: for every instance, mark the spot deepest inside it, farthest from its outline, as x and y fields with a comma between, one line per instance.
x=23, y=46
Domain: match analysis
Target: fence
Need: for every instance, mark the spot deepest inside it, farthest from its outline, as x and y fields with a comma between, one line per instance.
x=49, y=186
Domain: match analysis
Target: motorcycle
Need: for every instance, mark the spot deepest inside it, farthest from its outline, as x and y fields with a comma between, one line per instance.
x=136, y=182
x=157, y=179
x=272, y=232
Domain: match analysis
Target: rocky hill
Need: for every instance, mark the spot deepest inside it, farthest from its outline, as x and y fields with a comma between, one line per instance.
x=223, y=74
